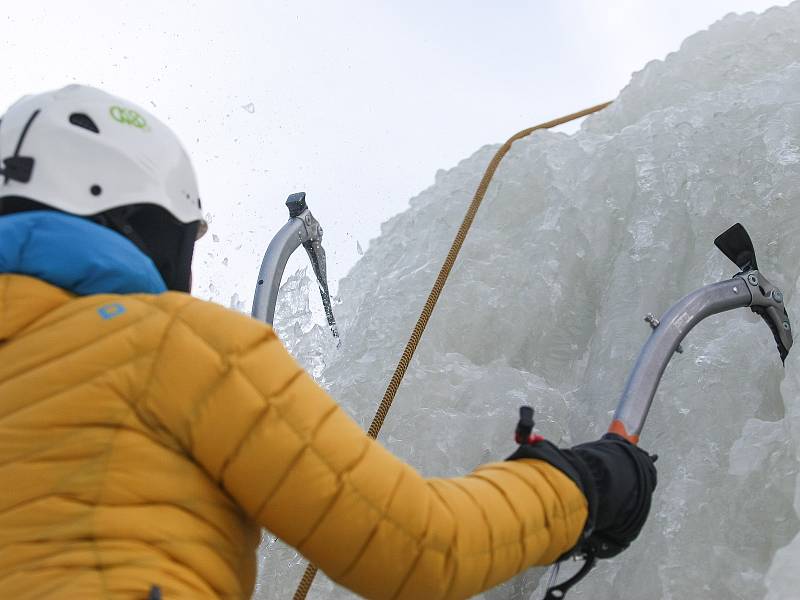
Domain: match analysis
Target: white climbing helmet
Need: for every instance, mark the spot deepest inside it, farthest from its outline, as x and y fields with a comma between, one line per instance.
x=83, y=151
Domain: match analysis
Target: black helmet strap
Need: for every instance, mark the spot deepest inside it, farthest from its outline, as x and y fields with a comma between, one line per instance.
x=16, y=167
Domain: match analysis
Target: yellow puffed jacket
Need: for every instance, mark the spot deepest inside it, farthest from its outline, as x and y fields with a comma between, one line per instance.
x=145, y=439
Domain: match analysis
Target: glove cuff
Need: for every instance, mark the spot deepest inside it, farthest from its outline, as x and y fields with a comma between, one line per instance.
x=569, y=463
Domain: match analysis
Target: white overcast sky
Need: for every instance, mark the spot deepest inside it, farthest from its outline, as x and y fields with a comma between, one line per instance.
x=357, y=103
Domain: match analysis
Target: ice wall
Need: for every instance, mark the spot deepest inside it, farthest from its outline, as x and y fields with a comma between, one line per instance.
x=578, y=238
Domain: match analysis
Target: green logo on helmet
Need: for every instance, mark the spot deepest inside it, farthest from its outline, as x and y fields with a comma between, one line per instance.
x=128, y=117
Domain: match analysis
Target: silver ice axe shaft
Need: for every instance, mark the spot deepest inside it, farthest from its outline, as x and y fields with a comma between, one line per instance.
x=302, y=228
x=747, y=288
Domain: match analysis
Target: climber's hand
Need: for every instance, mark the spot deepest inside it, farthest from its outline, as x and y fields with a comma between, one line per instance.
x=625, y=477
x=617, y=478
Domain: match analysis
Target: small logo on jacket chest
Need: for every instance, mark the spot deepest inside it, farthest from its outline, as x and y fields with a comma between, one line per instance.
x=109, y=311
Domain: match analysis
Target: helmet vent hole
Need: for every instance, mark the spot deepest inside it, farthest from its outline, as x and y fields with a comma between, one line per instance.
x=83, y=120
x=96, y=190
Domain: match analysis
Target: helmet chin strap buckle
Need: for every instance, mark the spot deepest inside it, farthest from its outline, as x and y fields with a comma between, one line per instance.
x=17, y=168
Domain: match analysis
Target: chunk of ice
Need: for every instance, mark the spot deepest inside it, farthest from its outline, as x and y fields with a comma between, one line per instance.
x=578, y=238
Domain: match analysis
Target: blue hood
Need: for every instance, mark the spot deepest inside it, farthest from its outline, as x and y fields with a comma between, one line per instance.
x=75, y=254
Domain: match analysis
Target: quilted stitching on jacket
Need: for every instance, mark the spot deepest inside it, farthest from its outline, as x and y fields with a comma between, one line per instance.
x=149, y=448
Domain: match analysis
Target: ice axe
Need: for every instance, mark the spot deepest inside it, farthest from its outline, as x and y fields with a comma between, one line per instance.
x=748, y=288
x=302, y=228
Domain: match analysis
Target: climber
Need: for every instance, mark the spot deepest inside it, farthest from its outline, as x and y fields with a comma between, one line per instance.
x=146, y=436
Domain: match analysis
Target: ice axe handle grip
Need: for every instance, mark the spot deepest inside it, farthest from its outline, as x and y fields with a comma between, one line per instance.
x=618, y=427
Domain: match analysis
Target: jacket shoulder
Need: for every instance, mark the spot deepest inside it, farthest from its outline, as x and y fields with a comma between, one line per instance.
x=222, y=329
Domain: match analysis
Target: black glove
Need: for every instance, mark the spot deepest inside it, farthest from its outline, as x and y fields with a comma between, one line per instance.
x=617, y=478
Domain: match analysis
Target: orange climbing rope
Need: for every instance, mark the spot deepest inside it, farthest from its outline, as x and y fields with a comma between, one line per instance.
x=433, y=297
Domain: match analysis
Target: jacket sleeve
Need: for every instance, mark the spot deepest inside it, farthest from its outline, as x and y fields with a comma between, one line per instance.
x=238, y=403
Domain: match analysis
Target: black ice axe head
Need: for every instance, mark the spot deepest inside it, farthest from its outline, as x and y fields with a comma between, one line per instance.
x=296, y=203
x=767, y=300
x=737, y=245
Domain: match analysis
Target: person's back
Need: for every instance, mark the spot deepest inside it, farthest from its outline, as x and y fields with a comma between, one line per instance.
x=100, y=498
x=147, y=436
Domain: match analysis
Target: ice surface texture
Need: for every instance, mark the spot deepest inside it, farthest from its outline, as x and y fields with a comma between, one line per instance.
x=578, y=238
